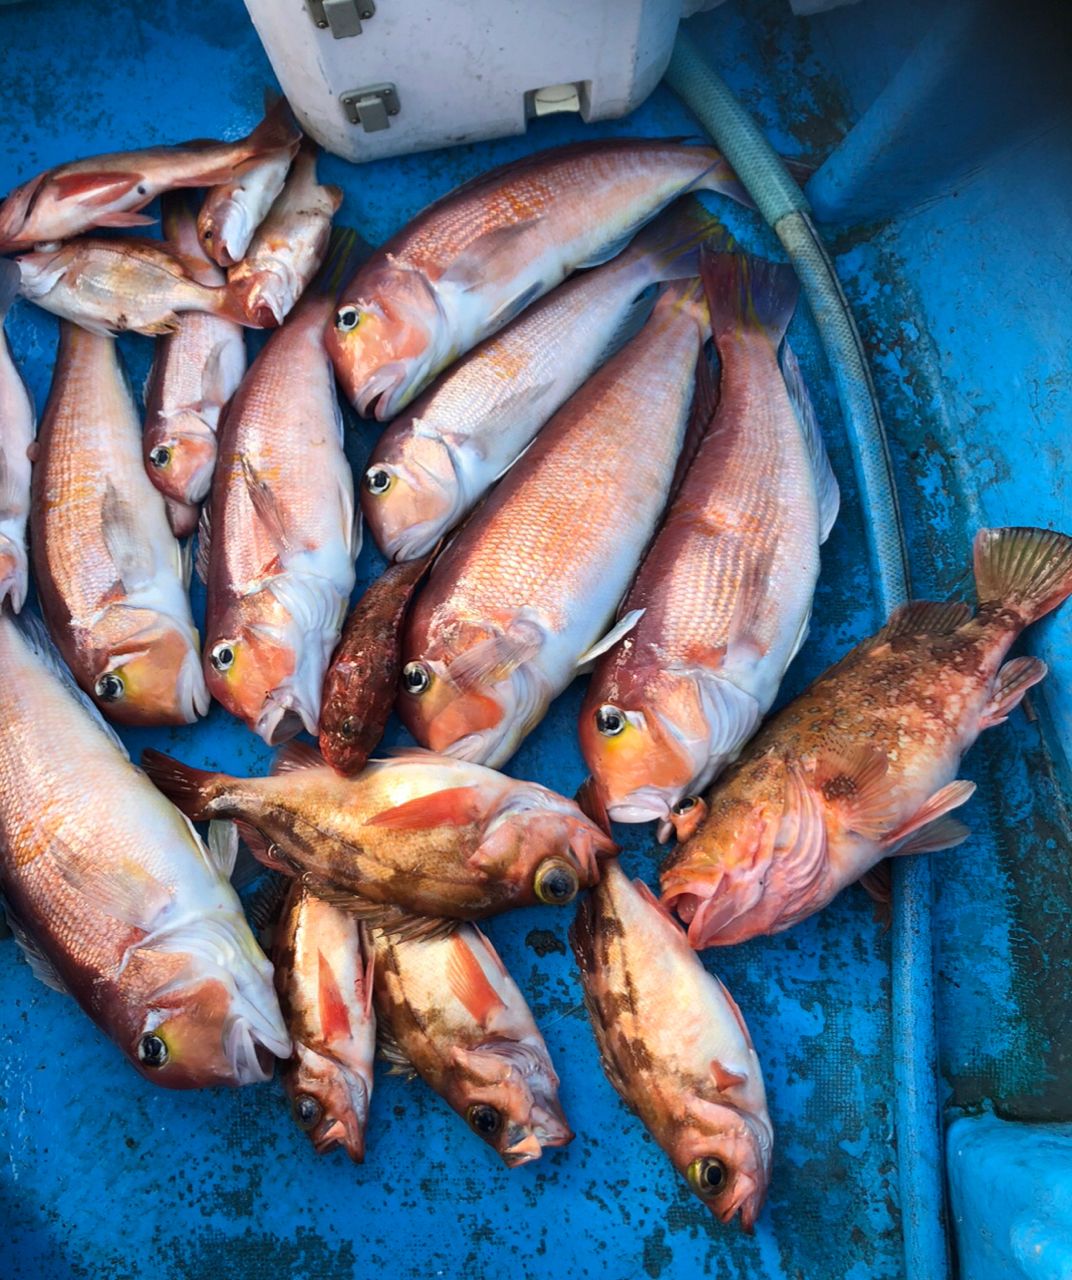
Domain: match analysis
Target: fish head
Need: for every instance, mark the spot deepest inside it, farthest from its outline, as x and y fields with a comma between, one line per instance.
x=180, y=454
x=410, y=493
x=507, y=1092
x=150, y=675
x=268, y=295
x=724, y=1154
x=328, y=1100
x=226, y=226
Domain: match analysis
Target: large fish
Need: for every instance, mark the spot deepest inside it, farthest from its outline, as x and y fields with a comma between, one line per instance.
x=281, y=532
x=288, y=247
x=108, y=190
x=863, y=764
x=675, y=1046
x=16, y=437
x=109, y=572
x=418, y=834
x=325, y=991
x=525, y=593
x=450, y=1012
x=726, y=586
x=195, y=372
x=476, y=258
x=114, y=895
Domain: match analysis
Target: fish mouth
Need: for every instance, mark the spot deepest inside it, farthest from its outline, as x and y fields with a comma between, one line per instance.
x=278, y=722
x=526, y=1149
x=251, y=1057
x=376, y=399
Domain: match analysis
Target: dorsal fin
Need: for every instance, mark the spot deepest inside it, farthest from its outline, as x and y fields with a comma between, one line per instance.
x=296, y=757
x=826, y=485
x=924, y=618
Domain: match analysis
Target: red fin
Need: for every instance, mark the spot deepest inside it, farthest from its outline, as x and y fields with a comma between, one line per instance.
x=369, y=978
x=591, y=804
x=1027, y=570
x=725, y=1079
x=94, y=188
x=652, y=901
x=456, y=806
x=470, y=984
x=334, y=1016
x=951, y=796
x=1013, y=681
x=266, y=505
x=497, y=655
x=942, y=833
x=736, y=1008
x=855, y=780
x=878, y=886
x=187, y=788
x=263, y=849
x=119, y=219
x=748, y=295
x=295, y=757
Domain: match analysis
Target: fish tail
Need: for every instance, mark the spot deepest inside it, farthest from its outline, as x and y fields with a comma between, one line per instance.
x=189, y=789
x=346, y=251
x=178, y=213
x=669, y=247
x=278, y=131
x=686, y=295
x=748, y=295
x=1026, y=570
x=10, y=278
x=719, y=176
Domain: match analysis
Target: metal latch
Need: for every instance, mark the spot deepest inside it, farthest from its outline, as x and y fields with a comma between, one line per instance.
x=370, y=107
x=343, y=17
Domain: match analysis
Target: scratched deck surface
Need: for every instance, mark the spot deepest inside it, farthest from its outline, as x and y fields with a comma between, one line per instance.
x=103, y=1176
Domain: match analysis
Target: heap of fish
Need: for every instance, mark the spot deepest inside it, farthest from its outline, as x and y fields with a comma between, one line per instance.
x=569, y=481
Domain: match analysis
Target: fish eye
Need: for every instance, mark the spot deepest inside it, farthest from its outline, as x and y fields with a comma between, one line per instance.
x=222, y=656
x=708, y=1176
x=347, y=318
x=609, y=721
x=152, y=1051
x=307, y=1111
x=378, y=480
x=350, y=727
x=556, y=884
x=160, y=456
x=484, y=1119
x=110, y=687
x=685, y=805
x=415, y=678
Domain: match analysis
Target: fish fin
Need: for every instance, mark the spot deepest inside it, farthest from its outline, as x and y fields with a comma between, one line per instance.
x=469, y=983
x=41, y=966
x=222, y=845
x=392, y=1052
x=277, y=131
x=263, y=906
x=125, y=891
x=591, y=803
x=504, y=653
x=735, y=1009
x=942, y=833
x=801, y=840
x=732, y=714
x=618, y=632
x=878, y=885
x=296, y=757
x=490, y=256
x=1026, y=570
x=646, y=895
x=924, y=618
x=611, y=250
x=724, y=1078
x=186, y=555
x=204, y=543
x=130, y=550
x=334, y=1015
x=856, y=781
x=945, y=799
x=802, y=635
x=187, y=788
x=394, y=922
x=345, y=253
x=265, y=852
x=514, y=306
x=668, y=248
x=368, y=976
x=119, y=219
x=266, y=506
x=702, y=411
x=10, y=279
x=455, y=806
x=1012, y=682
x=826, y=486
x=97, y=188
x=720, y=177
x=629, y=324
x=748, y=295
x=215, y=388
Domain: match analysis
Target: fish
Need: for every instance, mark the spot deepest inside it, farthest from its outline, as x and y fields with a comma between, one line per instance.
x=414, y=835
x=112, y=894
x=17, y=427
x=524, y=595
x=675, y=1046
x=477, y=257
x=288, y=247
x=110, y=575
x=325, y=991
x=449, y=1012
x=362, y=682
x=726, y=587
x=109, y=190
x=863, y=764
x=196, y=369
x=436, y=460
x=280, y=534
x=125, y=284
x=233, y=210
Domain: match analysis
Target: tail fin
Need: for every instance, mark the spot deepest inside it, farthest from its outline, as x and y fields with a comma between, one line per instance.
x=14, y=573
x=669, y=247
x=346, y=252
x=688, y=296
x=1026, y=570
x=720, y=177
x=10, y=279
x=189, y=789
x=278, y=131
x=748, y=295
x=178, y=211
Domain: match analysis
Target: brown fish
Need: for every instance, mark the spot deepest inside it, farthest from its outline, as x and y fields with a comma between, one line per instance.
x=864, y=763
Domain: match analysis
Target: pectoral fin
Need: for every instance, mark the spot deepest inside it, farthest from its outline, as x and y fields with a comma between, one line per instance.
x=469, y=983
x=455, y=806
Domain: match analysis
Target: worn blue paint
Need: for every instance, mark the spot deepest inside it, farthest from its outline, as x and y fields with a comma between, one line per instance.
x=960, y=301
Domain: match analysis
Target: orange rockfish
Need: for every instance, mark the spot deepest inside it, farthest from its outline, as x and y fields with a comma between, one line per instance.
x=416, y=835
x=195, y=372
x=288, y=247
x=281, y=532
x=439, y=458
x=479, y=256
x=675, y=1046
x=325, y=991
x=449, y=1012
x=109, y=572
x=863, y=764
x=16, y=437
x=525, y=593
x=114, y=896
x=726, y=587
x=108, y=190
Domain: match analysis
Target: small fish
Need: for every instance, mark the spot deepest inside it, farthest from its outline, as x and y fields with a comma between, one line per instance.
x=863, y=764
x=109, y=572
x=362, y=682
x=280, y=534
x=674, y=1045
x=524, y=594
x=234, y=209
x=417, y=834
x=120, y=285
x=449, y=1012
x=325, y=991
x=288, y=247
x=108, y=190
x=726, y=586
x=438, y=459
x=195, y=372
x=113, y=895
x=474, y=260
x=16, y=437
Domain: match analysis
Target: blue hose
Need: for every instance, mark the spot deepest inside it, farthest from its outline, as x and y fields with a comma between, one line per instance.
x=785, y=207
